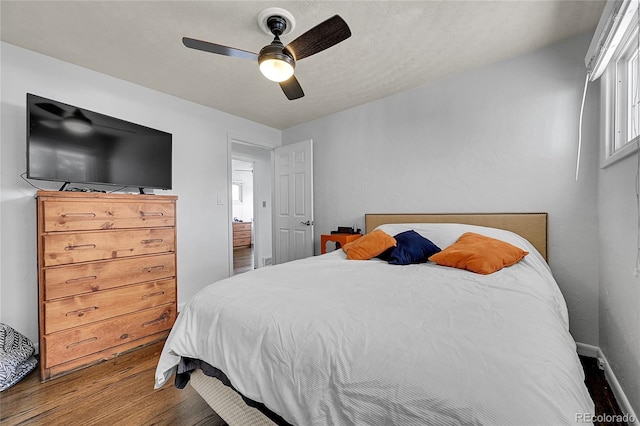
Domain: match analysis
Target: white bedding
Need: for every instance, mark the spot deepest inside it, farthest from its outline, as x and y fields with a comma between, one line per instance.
x=327, y=341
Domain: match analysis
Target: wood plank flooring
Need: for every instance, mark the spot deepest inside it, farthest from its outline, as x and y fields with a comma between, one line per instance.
x=600, y=392
x=116, y=392
x=242, y=259
x=120, y=392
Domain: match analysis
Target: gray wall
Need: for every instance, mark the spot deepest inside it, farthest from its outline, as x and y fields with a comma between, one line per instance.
x=619, y=289
x=499, y=139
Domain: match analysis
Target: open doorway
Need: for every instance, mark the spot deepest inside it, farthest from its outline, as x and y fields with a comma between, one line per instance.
x=250, y=180
x=242, y=203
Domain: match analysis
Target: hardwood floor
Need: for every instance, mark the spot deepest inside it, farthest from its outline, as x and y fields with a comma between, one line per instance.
x=242, y=259
x=116, y=392
x=120, y=392
x=600, y=392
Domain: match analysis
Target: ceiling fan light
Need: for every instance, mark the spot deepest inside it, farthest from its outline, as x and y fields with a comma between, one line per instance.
x=77, y=125
x=276, y=70
x=275, y=63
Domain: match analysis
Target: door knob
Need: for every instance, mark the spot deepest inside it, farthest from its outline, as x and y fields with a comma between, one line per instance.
x=308, y=223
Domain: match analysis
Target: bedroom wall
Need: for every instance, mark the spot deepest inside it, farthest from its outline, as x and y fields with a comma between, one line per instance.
x=502, y=138
x=199, y=172
x=619, y=289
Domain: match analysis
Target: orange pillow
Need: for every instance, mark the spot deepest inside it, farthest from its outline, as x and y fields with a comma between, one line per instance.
x=478, y=253
x=369, y=245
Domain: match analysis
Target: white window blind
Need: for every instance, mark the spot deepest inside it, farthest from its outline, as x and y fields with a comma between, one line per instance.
x=613, y=55
x=614, y=23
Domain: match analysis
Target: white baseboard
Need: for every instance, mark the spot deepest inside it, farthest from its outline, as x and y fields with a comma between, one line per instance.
x=181, y=307
x=595, y=352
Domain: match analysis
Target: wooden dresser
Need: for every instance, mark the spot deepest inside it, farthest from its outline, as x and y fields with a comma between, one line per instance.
x=106, y=275
x=241, y=234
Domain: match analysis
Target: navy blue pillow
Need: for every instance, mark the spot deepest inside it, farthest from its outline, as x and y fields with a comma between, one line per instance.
x=411, y=248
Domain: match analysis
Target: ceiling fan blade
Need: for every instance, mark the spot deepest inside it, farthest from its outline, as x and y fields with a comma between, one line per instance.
x=219, y=49
x=52, y=108
x=292, y=88
x=321, y=37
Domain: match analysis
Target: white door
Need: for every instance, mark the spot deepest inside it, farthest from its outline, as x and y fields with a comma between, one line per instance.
x=293, y=238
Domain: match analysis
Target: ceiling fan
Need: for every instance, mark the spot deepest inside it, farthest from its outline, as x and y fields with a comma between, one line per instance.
x=277, y=62
x=75, y=122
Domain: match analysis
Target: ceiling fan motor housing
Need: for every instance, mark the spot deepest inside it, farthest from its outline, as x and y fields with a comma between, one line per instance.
x=276, y=50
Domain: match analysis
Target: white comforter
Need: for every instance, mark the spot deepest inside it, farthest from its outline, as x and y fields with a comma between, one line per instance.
x=327, y=341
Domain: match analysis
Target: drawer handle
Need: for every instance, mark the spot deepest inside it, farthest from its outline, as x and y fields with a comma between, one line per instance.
x=160, y=320
x=82, y=342
x=152, y=240
x=80, y=247
x=80, y=312
x=78, y=214
x=77, y=280
x=150, y=295
x=153, y=268
x=152, y=214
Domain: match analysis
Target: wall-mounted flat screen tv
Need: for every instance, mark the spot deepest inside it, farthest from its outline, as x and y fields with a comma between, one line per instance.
x=69, y=144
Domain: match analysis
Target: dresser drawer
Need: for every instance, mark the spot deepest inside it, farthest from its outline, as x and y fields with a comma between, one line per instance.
x=242, y=242
x=241, y=226
x=78, y=342
x=71, y=280
x=65, y=248
x=79, y=215
x=241, y=234
x=71, y=312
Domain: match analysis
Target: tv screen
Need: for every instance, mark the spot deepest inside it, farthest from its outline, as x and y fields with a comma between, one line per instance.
x=70, y=144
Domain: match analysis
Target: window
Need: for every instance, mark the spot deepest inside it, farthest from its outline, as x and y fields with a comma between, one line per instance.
x=236, y=192
x=622, y=99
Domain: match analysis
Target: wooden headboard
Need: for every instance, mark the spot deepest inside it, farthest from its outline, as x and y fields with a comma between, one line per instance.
x=531, y=226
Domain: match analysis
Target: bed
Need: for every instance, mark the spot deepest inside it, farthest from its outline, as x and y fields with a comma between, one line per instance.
x=331, y=341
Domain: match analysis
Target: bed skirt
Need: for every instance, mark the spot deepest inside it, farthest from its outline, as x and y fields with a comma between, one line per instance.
x=226, y=402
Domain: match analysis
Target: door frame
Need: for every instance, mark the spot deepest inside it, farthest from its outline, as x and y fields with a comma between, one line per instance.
x=242, y=140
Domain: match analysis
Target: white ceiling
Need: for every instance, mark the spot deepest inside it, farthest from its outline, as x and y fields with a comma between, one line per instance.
x=395, y=45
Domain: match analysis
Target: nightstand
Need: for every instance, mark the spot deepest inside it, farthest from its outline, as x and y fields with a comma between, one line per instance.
x=339, y=239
